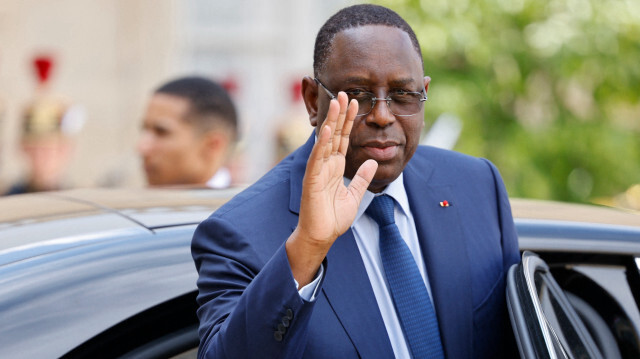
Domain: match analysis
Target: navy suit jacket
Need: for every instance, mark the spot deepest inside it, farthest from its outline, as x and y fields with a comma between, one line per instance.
x=246, y=289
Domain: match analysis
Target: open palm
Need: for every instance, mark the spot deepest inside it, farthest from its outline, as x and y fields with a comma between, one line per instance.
x=328, y=207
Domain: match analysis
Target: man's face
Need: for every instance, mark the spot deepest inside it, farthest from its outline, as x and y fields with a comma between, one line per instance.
x=170, y=148
x=377, y=59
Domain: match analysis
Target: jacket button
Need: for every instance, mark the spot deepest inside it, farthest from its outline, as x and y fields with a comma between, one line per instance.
x=286, y=322
x=282, y=328
x=278, y=336
x=289, y=314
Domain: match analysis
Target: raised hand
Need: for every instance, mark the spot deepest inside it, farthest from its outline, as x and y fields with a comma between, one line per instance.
x=328, y=207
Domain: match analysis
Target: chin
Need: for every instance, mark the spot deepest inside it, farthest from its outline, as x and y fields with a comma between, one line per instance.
x=154, y=181
x=380, y=182
x=387, y=173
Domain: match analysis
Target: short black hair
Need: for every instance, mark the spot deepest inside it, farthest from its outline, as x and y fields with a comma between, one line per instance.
x=356, y=16
x=210, y=103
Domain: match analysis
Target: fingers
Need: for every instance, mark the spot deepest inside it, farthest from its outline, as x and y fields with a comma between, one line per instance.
x=339, y=114
x=317, y=156
x=352, y=111
x=333, y=136
x=337, y=134
x=331, y=122
x=362, y=179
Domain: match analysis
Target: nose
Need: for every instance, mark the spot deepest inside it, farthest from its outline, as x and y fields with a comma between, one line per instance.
x=380, y=114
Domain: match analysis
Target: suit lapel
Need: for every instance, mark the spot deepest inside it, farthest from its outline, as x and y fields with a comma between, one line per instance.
x=296, y=175
x=442, y=243
x=351, y=297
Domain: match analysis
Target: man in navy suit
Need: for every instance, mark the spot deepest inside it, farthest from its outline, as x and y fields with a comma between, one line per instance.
x=291, y=267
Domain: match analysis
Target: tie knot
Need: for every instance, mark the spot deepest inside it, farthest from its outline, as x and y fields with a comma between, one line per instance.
x=381, y=210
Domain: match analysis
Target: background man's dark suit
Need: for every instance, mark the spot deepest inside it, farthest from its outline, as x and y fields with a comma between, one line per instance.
x=247, y=289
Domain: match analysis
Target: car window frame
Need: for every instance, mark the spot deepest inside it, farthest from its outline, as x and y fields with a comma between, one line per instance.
x=530, y=323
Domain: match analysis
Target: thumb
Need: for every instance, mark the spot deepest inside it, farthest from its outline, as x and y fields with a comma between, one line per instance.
x=362, y=179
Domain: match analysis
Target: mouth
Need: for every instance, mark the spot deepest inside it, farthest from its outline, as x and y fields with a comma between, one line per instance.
x=381, y=151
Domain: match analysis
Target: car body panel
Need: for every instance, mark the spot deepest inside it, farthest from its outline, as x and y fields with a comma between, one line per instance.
x=65, y=298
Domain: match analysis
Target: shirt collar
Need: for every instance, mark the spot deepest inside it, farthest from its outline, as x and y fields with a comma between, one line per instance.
x=221, y=179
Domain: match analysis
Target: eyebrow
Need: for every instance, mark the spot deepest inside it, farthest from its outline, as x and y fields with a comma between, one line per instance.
x=358, y=80
x=403, y=82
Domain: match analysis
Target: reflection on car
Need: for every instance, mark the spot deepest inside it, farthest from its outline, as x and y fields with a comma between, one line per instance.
x=108, y=273
x=100, y=273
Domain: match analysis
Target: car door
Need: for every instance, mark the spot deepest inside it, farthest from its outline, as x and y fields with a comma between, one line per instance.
x=544, y=317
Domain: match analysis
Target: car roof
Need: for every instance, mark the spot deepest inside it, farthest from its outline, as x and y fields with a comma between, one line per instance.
x=134, y=204
x=34, y=224
x=566, y=227
x=532, y=209
x=26, y=220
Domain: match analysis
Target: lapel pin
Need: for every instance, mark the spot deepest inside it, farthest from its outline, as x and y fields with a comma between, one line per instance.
x=445, y=204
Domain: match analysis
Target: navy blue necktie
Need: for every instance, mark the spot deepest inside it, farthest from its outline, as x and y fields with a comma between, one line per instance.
x=409, y=293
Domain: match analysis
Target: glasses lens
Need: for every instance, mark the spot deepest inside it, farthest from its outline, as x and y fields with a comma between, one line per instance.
x=405, y=103
x=401, y=104
x=365, y=101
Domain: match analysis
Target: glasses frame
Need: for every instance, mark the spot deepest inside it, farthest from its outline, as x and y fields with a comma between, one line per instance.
x=374, y=99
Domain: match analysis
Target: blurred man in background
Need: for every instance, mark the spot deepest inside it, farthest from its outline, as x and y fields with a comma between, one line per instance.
x=189, y=130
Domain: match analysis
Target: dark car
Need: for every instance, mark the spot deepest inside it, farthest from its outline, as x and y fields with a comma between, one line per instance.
x=108, y=273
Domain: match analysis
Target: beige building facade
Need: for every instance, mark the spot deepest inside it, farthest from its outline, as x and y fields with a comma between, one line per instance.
x=110, y=54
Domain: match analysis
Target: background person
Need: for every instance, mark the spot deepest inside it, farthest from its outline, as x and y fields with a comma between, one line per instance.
x=188, y=132
x=310, y=261
x=50, y=124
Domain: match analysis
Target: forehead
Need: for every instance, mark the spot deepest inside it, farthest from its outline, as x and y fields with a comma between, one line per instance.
x=167, y=107
x=373, y=52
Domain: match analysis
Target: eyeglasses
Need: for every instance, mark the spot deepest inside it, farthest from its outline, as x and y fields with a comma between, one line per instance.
x=401, y=103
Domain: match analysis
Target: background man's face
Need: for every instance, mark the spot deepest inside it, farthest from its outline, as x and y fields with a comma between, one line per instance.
x=377, y=59
x=169, y=146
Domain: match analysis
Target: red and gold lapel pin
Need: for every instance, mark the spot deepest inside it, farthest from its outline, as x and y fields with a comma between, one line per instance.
x=445, y=204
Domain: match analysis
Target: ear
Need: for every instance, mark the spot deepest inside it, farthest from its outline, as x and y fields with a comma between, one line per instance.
x=310, y=97
x=215, y=144
x=427, y=80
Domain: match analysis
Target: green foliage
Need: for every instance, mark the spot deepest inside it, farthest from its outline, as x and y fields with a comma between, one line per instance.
x=547, y=90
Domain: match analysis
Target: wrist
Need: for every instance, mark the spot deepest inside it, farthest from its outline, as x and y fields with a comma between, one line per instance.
x=305, y=257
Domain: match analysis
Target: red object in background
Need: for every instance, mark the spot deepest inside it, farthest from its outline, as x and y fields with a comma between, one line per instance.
x=296, y=91
x=231, y=85
x=43, y=65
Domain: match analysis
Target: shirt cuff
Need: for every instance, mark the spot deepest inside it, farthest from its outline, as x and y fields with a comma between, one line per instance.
x=309, y=291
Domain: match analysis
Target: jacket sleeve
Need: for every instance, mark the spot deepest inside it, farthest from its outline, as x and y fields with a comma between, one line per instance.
x=510, y=248
x=249, y=307
x=510, y=256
